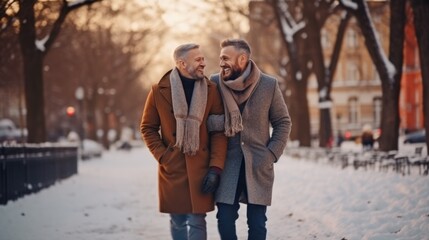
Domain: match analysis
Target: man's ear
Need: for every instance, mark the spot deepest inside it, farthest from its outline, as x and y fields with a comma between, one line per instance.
x=181, y=64
x=242, y=60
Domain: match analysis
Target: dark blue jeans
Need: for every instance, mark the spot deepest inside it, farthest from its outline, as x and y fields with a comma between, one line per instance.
x=227, y=214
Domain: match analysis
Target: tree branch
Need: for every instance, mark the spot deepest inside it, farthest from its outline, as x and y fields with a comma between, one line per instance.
x=337, y=46
x=66, y=8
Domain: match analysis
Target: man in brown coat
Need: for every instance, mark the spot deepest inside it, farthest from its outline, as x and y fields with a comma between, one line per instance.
x=190, y=158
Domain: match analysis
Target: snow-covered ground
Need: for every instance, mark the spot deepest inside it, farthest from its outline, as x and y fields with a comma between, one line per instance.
x=115, y=197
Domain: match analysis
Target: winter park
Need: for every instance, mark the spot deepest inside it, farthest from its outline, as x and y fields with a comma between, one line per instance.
x=325, y=102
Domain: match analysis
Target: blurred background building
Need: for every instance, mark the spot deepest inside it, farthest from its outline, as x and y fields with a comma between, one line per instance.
x=356, y=90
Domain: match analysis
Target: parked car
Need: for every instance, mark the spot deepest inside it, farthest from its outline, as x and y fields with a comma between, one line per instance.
x=416, y=137
x=91, y=149
x=9, y=132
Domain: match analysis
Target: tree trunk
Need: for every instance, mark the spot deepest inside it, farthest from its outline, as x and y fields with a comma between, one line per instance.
x=300, y=114
x=421, y=20
x=298, y=107
x=390, y=82
x=314, y=53
x=391, y=93
x=33, y=74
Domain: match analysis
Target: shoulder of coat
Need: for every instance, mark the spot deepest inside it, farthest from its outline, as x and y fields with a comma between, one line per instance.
x=215, y=78
x=165, y=80
x=267, y=77
x=211, y=84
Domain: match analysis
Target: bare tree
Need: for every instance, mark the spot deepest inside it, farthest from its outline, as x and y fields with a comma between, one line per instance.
x=389, y=69
x=421, y=19
x=300, y=24
x=33, y=51
x=108, y=59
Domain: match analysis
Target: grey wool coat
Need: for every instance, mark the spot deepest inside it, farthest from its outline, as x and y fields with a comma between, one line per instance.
x=255, y=144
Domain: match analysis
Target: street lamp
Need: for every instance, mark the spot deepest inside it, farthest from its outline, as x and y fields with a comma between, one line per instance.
x=108, y=94
x=80, y=94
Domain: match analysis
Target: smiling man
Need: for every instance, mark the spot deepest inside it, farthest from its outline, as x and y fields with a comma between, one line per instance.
x=252, y=101
x=190, y=158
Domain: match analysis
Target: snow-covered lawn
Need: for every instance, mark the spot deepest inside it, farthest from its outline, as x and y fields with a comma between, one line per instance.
x=115, y=197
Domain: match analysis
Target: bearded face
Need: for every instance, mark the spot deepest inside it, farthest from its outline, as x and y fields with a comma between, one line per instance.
x=231, y=67
x=196, y=71
x=193, y=65
x=231, y=71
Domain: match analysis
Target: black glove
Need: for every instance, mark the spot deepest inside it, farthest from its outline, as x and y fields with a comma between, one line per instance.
x=210, y=181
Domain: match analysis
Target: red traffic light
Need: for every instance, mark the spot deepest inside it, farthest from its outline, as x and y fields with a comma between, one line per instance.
x=70, y=111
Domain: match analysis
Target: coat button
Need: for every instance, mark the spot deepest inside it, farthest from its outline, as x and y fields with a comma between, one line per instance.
x=242, y=143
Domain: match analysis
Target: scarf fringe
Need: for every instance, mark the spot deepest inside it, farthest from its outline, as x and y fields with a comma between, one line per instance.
x=192, y=137
x=180, y=131
x=234, y=124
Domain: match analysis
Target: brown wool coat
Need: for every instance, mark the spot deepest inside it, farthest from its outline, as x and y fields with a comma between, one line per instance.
x=180, y=176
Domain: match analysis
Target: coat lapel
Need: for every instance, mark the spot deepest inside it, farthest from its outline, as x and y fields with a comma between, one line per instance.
x=165, y=87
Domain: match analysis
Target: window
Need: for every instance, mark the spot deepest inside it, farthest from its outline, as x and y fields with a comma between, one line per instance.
x=351, y=37
x=377, y=106
x=353, y=110
x=352, y=72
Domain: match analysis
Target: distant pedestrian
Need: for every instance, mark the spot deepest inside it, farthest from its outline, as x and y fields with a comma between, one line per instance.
x=340, y=138
x=367, y=138
x=190, y=158
x=253, y=103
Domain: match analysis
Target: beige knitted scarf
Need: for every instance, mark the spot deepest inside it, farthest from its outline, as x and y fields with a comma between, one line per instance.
x=188, y=121
x=236, y=92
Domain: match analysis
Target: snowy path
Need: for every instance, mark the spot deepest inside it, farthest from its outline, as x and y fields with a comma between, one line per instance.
x=116, y=198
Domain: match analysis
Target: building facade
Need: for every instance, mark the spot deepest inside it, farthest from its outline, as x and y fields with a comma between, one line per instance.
x=356, y=89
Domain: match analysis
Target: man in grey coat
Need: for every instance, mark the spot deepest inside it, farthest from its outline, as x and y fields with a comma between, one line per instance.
x=252, y=101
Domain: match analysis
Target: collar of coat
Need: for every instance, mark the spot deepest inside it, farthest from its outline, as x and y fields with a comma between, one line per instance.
x=165, y=86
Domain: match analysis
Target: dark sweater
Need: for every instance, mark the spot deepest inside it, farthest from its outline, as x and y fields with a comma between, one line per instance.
x=188, y=87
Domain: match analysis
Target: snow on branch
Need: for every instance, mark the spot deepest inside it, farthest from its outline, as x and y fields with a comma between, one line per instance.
x=40, y=44
x=77, y=2
x=288, y=24
x=325, y=104
x=390, y=68
x=323, y=92
x=349, y=4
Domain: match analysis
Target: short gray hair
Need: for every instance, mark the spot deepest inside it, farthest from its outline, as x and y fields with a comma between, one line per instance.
x=181, y=51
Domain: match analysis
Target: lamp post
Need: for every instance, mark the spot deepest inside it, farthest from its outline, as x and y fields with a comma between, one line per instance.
x=80, y=94
x=108, y=95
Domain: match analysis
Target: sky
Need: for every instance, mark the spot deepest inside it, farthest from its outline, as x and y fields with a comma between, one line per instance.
x=115, y=197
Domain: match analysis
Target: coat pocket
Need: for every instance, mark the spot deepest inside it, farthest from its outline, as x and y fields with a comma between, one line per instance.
x=166, y=155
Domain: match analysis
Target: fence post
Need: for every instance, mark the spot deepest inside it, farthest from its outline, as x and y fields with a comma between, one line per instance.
x=3, y=184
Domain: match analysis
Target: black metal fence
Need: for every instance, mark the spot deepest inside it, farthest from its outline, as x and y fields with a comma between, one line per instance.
x=28, y=168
